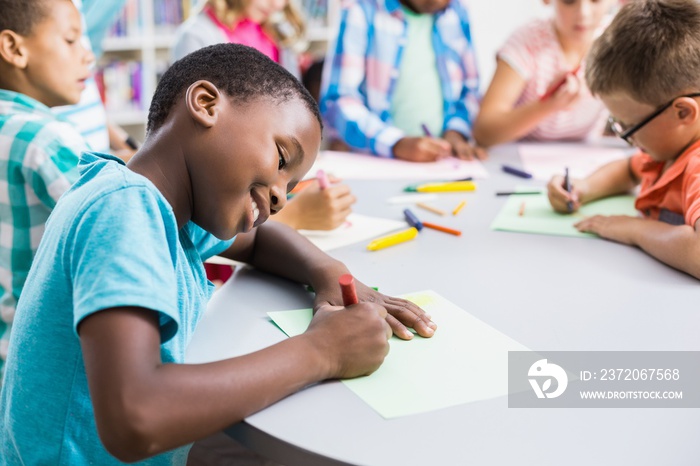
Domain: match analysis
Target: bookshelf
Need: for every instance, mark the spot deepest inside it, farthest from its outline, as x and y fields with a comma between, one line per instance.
x=135, y=55
x=136, y=52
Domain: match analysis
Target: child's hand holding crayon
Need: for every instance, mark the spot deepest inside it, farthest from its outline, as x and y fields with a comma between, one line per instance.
x=402, y=314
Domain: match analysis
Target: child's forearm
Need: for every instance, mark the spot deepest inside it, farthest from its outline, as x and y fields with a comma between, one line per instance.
x=675, y=245
x=280, y=250
x=496, y=127
x=144, y=407
x=609, y=180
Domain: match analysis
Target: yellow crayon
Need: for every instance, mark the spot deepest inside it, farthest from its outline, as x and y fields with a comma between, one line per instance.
x=393, y=239
x=459, y=207
x=446, y=187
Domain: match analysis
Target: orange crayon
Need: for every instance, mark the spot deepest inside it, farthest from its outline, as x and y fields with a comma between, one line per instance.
x=443, y=229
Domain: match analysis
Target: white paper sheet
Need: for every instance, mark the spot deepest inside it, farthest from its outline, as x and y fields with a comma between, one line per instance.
x=548, y=159
x=349, y=165
x=357, y=228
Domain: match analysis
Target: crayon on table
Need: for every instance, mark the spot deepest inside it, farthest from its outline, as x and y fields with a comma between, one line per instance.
x=442, y=187
x=516, y=172
x=393, y=239
x=430, y=208
x=443, y=229
x=459, y=207
x=412, y=220
x=412, y=188
x=517, y=193
x=521, y=211
x=347, y=289
x=567, y=186
x=322, y=178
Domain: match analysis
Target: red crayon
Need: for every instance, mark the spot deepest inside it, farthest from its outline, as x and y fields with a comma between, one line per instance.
x=347, y=289
x=559, y=84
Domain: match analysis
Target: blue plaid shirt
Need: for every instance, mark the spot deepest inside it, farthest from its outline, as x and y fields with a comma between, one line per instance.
x=363, y=65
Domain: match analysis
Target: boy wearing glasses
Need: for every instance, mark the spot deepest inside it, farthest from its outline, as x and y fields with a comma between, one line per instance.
x=646, y=69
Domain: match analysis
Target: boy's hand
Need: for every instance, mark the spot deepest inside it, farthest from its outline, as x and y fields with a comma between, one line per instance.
x=462, y=149
x=402, y=314
x=559, y=198
x=421, y=149
x=619, y=228
x=353, y=341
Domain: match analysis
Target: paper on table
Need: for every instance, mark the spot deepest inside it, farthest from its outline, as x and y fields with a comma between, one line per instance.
x=546, y=160
x=357, y=228
x=465, y=361
x=539, y=217
x=350, y=165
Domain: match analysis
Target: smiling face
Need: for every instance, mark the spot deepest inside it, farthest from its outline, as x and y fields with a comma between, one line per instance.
x=578, y=20
x=57, y=63
x=253, y=156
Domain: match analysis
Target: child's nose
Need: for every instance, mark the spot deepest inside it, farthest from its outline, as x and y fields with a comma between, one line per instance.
x=278, y=198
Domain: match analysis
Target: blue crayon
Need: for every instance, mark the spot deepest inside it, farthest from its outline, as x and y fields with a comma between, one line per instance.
x=516, y=172
x=412, y=219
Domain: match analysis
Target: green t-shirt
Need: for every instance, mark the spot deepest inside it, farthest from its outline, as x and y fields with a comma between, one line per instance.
x=417, y=97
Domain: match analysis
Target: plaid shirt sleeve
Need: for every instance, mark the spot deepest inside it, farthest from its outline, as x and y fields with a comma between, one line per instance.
x=344, y=101
x=51, y=161
x=460, y=112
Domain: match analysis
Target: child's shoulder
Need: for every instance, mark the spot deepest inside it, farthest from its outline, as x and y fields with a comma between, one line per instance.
x=533, y=39
x=42, y=134
x=535, y=33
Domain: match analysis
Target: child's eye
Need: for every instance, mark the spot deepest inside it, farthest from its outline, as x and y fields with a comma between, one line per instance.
x=282, y=162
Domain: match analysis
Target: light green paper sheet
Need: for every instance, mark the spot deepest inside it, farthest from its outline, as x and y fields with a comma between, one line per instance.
x=539, y=217
x=465, y=361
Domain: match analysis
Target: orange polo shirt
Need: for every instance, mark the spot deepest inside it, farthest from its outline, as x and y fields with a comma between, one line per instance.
x=672, y=195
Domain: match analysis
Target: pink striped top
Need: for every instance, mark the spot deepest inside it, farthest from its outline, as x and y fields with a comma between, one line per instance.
x=533, y=51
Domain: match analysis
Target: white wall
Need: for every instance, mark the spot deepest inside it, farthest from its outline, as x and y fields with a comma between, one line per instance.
x=492, y=21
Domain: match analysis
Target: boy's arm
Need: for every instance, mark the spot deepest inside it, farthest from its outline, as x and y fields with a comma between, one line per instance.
x=275, y=248
x=144, y=407
x=343, y=101
x=611, y=179
x=675, y=245
x=461, y=112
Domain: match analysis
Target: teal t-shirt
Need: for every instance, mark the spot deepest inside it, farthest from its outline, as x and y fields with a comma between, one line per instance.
x=417, y=98
x=111, y=241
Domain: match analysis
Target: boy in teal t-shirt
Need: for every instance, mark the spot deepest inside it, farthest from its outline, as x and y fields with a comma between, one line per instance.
x=118, y=284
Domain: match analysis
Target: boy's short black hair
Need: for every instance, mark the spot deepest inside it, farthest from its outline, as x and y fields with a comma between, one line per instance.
x=21, y=16
x=241, y=72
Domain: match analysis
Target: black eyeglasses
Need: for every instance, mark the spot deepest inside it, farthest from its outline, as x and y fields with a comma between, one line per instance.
x=619, y=129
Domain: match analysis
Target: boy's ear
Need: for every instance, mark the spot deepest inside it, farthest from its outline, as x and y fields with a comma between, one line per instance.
x=12, y=49
x=202, y=100
x=687, y=110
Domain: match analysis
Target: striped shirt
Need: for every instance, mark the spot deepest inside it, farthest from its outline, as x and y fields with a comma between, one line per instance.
x=363, y=66
x=38, y=160
x=534, y=52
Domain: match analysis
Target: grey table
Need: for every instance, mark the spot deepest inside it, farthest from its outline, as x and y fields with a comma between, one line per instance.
x=548, y=293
